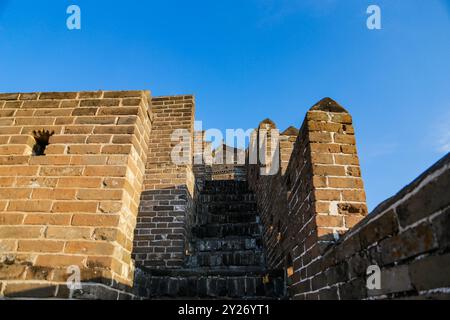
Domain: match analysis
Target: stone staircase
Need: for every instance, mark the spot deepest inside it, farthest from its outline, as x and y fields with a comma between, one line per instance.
x=227, y=258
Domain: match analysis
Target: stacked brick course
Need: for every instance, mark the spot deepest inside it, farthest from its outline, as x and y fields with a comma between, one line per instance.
x=166, y=209
x=106, y=195
x=316, y=223
x=77, y=204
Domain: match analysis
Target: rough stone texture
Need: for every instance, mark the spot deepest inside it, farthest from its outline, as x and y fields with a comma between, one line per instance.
x=106, y=196
x=166, y=208
x=77, y=204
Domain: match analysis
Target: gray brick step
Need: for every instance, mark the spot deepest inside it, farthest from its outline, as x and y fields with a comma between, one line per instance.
x=227, y=197
x=227, y=258
x=222, y=207
x=226, y=244
x=226, y=186
x=229, y=217
x=212, y=287
x=230, y=229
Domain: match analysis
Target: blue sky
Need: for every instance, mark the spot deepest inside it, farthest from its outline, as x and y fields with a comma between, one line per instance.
x=246, y=60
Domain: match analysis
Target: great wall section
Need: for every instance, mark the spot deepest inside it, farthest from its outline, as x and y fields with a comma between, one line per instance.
x=87, y=181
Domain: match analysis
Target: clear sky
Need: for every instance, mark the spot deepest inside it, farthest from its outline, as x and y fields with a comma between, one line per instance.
x=246, y=60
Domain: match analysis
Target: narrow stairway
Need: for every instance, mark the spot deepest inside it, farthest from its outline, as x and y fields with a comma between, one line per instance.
x=227, y=259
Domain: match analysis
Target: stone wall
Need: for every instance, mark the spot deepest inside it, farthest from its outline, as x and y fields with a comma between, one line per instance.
x=166, y=208
x=407, y=237
x=315, y=219
x=77, y=204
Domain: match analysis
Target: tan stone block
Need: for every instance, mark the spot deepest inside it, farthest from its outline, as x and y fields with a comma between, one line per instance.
x=110, y=207
x=90, y=194
x=55, y=149
x=117, y=149
x=10, y=150
x=317, y=116
x=80, y=182
x=330, y=221
x=351, y=221
x=326, y=170
x=341, y=118
x=78, y=129
x=20, y=232
x=344, y=139
x=56, y=160
x=319, y=182
x=322, y=158
x=346, y=159
x=123, y=94
x=85, y=112
x=325, y=148
x=84, y=149
x=105, y=171
x=100, y=102
x=7, y=181
x=95, y=120
x=109, y=263
x=15, y=160
x=54, y=194
x=328, y=195
x=40, y=246
x=65, y=139
x=90, y=248
x=50, y=112
x=68, y=233
x=48, y=219
x=36, y=182
x=90, y=94
x=8, y=245
x=40, y=104
x=57, y=95
x=11, y=218
x=74, y=206
x=114, y=130
x=61, y=171
x=15, y=193
x=59, y=260
x=88, y=159
x=347, y=183
x=95, y=220
x=100, y=138
x=354, y=195
x=30, y=205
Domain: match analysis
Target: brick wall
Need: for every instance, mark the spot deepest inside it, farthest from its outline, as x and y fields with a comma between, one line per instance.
x=316, y=196
x=407, y=237
x=316, y=223
x=77, y=204
x=166, y=208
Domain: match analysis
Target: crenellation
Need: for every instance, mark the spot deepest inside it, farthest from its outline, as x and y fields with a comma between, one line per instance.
x=107, y=197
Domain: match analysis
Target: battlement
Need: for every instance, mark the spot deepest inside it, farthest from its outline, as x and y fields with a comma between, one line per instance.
x=89, y=190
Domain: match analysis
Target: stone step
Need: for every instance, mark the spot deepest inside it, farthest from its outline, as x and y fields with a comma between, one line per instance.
x=229, y=217
x=223, y=207
x=225, y=186
x=212, y=287
x=227, y=197
x=224, y=230
x=227, y=258
x=226, y=244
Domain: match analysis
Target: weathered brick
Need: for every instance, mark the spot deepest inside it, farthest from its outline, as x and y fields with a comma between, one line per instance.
x=47, y=219
x=90, y=248
x=74, y=206
x=57, y=95
x=59, y=260
x=95, y=220
x=431, y=272
x=40, y=246
x=408, y=244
